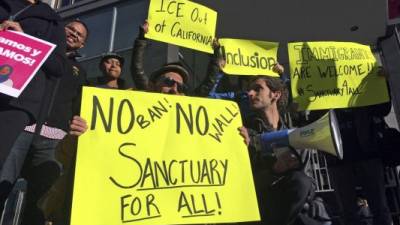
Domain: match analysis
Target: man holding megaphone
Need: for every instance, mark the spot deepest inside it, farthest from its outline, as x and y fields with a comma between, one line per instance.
x=281, y=184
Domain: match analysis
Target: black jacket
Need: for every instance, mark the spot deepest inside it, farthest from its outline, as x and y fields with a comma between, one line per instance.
x=255, y=126
x=67, y=99
x=101, y=82
x=357, y=130
x=42, y=22
x=140, y=80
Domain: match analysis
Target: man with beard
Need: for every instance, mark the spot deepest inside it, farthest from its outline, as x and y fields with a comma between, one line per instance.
x=282, y=186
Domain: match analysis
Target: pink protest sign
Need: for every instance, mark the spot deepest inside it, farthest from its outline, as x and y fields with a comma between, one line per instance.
x=21, y=56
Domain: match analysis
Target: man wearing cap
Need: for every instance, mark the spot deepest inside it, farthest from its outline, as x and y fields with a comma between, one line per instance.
x=171, y=78
x=110, y=65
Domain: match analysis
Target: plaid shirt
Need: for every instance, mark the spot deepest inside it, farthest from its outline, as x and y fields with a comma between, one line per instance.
x=48, y=132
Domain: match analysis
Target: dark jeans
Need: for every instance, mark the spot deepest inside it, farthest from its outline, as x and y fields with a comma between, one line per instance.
x=11, y=167
x=12, y=123
x=36, y=156
x=370, y=175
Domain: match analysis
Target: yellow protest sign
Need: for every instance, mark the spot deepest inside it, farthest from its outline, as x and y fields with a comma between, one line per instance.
x=161, y=159
x=249, y=57
x=183, y=23
x=334, y=75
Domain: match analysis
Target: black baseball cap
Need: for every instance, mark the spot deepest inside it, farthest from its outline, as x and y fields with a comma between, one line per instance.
x=113, y=55
x=176, y=67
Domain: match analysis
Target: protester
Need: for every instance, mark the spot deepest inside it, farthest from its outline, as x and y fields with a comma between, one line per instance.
x=110, y=65
x=171, y=78
x=41, y=166
x=211, y=83
x=55, y=204
x=361, y=164
x=282, y=186
x=37, y=19
x=283, y=210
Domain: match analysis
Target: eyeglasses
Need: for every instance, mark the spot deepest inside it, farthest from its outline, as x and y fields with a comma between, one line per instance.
x=171, y=82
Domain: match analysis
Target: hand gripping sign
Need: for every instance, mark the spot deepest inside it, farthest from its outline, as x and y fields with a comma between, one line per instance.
x=21, y=56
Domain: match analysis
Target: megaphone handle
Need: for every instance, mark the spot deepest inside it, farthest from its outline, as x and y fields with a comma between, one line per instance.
x=275, y=139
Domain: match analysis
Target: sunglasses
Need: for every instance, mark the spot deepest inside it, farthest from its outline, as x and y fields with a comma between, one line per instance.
x=167, y=81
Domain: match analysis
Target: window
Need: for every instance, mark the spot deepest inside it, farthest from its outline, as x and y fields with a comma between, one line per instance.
x=63, y=3
x=114, y=27
x=130, y=16
x=126, y=17
x=99, y=23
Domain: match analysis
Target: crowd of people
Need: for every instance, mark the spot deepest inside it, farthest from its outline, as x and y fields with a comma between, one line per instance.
x=40, y=128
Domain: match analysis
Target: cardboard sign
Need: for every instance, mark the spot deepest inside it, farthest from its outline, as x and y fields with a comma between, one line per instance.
x=249, y=57
x=182, y=23
x=161, y=159
x=21, y=56
x=328, y=75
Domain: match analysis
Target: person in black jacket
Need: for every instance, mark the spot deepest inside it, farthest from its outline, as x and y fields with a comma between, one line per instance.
x=37, y=19
x=41, y=167
x=63, y=116
x=361, y=164
x=282, y=186
x=37, y=151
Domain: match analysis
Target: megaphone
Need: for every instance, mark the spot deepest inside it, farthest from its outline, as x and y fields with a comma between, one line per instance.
x=323, y=135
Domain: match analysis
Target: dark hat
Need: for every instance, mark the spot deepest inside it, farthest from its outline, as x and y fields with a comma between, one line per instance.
x=176, y=67
x=114, y=55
